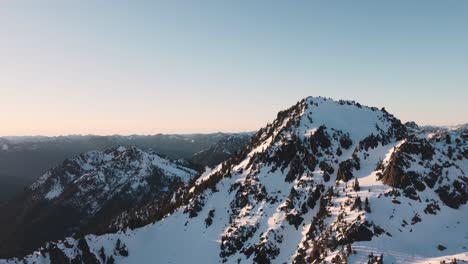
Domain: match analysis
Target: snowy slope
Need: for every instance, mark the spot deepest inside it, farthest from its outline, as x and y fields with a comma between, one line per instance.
x=327, y=181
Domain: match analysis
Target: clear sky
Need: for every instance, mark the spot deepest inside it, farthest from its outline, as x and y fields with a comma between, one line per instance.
x=144, y=67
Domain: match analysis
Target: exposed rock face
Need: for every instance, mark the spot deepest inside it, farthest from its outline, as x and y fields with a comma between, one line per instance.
x=359, y=232
x=346, y=168
x=327, y=181
x=434, y=161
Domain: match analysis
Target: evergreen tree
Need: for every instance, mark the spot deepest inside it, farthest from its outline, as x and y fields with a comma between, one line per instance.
x=121, y=248
x=349, y=250
x=339, y=152
x=102, y=254
x=356, y=185
x=209, y=219
x=110, y=260
x=366, y=205
x=448, y=139
x=357, y=204
x=450, y=152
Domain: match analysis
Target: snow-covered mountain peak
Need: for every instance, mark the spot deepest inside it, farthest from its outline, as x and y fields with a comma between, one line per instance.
x=321, y=120
x=357, y=120
x=113, y=167
x=98, y=191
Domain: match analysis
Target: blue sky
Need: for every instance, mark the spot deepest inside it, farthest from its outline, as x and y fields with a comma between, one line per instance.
x=129, y=67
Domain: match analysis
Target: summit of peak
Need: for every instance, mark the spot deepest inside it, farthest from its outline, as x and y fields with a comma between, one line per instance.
x=341, y=116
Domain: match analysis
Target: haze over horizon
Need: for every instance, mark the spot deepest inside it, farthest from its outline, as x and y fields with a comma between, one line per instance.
x=187, y=132
x=84, y=67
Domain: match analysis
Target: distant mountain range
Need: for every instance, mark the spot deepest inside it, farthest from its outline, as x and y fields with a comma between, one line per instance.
x=326, y=182
x=23, y=159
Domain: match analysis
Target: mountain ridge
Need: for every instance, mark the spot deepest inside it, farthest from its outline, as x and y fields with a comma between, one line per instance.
x=327, y=181
x=42, y=153
x=96, y=192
